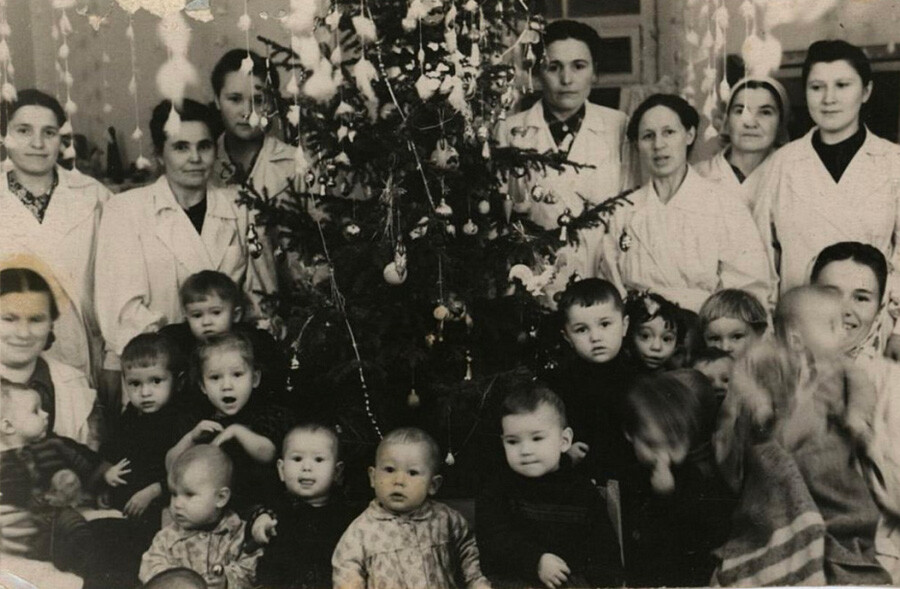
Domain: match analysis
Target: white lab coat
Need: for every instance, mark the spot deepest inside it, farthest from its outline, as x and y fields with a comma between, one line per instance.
x=701, y=241
x=600, y=142
x=273, y=169
x=147, y=248
x=73, y=401
x=801, y=209
x=61, y=248
x=719, y=171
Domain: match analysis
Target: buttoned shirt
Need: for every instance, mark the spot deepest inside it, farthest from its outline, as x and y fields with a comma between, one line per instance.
x=215, y=554
x=428, y=548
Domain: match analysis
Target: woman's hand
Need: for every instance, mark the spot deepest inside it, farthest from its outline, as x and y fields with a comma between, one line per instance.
x=16, y=530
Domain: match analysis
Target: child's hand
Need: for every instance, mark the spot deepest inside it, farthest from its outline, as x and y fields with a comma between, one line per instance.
x=114, y=474
x=139, y=502
x=577, y=452
x=229, y=433
x=264, y=528
x=552, y=570
x=205, y=427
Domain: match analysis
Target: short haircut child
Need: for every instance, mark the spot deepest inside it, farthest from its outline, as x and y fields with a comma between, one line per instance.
x=200, y=285
x=413, y=435
x=734, y=303
x=190, y=110
x=223, y=342
x=180, y=578
x=149, y=349
x=704, y=361
x=789, y=311
x=529, y=398
x=214, y=461
x=586, y=293
x=315, y=428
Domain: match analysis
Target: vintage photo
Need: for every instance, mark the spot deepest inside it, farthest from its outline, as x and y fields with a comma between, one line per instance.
x=300, y=294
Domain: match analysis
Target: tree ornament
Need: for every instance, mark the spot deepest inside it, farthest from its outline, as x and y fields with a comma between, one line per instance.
x=393, y=275
x=563, y=221
x=470, y=228
x=441, y=312
x=443, y=210
x=430, y=339
x=449, y=460
x=468, y=375
x=484, y=206
x=444, y=157
x=253, y=244
x=413, y=399
x=507, y=206
x=351, y=230
x=450, y=229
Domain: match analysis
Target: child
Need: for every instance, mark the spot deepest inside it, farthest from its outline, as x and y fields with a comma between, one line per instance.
x=675, y=507
x=212, y=305
x=540, y=521
x=593, y=380
x=715, y=364
x=404, y=539
x=301, y=532
x=245, y=426
x=799, y=412
x=204, y=536
x=45, y=474
x=150, y=425
x=655, y=331
x=732, y=320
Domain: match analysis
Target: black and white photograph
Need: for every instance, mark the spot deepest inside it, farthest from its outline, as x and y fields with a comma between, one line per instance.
x=449, y=294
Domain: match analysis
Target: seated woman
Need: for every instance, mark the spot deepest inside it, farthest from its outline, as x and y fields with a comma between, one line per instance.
x=684, y=237
x=28, y=311
x=49, y=213
x=858, y=273
x=755, y=126
x=152, y=238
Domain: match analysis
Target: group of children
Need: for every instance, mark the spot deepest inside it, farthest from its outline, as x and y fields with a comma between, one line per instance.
x=611, y=469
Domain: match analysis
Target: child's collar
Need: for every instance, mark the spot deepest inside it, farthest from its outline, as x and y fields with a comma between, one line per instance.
x=422, y=512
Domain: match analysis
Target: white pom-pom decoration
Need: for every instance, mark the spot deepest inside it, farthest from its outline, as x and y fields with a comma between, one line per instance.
x=301, y=163
x=724, y=90
x=68, y=80
x=173, y=123
x=292, y=87
x=173, y=77
x=409, y=24
x=253, y=119
x=365, y=73
x=63, y=4
x=129, y=32
x=137, y=134
x=721, y=17
x=748, y=10
x=333, y=20
x=244, y=22
x=320, y=86
x=708, y=41
x=107, y=108
x=470, y=6
x=246, y=66
x=365, y=29
x=8, y=92
x=337, y=56
x=4, y=51
x=692, y=38
x=426, y=86
x=132, y=86
x=302, y=18
x=64, y=51
x=142, y=163
x=307, y=48
x=70, y=107
x=65, y=27
x=761, y=56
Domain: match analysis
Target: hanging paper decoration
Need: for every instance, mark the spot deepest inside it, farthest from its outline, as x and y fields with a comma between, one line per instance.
x=176, y=73
x=7, y=88
x=141, y=163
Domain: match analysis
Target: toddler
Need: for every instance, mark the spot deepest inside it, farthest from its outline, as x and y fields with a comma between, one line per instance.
x=204, y=536
x=403, y=538
x=732, y=320
x=46, y=474
x=302, y=529
x=593, y=379
x=212, y=305
x=655, y=331
x=675, y=507
x=539, y=521
x=245, y=426
x=715, y=364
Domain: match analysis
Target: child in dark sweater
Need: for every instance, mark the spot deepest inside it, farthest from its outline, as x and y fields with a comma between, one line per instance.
x=212, y=305
x=301, y=529
x=246, y=426
x=593, y=380
x=540, y=521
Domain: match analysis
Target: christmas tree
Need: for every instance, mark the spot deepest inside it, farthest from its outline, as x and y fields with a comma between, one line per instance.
x=401, y=309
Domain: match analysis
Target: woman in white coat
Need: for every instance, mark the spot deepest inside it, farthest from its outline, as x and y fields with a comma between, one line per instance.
x=48, y=219
x=565, y=121
x=684, y=237
x=755, y=126
x=152, y=238
x=839, y=182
